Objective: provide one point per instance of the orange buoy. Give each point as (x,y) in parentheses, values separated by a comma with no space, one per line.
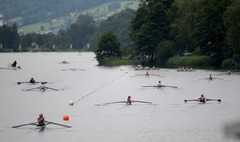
(65,117)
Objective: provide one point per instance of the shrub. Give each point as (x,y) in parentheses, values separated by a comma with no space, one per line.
(190,61)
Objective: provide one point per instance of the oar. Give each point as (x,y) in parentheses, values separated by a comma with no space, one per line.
(142,102)
(34,123)
(169,86)
(31,89)
(111,103)
(32,83)
(22,82)
(53,89)
(49,122)
(219,100)
(190,100)
(150,86)
(41,83)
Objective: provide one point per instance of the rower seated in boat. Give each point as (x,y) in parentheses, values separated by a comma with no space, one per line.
(159,85)
(14,64)
(40,120)
(210,77)
(32,80)
(202,99)
(129,101)
(147,74)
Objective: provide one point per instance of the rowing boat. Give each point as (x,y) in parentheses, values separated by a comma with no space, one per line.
(28,82)
(124,102)
(41,126)
(219,100)
(11,68)
(160,86)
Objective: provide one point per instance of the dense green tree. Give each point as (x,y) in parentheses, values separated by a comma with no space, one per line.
(149,28)
(209,33)
(108,46)
(80,31)
(232,24)
(9,38)
(187,13)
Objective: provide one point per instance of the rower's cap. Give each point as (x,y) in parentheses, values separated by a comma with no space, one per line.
(40,114)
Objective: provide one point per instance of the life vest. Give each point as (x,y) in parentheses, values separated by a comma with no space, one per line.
(40,120)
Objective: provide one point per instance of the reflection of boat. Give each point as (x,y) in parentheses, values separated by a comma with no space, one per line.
(43,88)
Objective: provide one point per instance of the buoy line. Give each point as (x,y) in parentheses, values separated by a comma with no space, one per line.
(71,103)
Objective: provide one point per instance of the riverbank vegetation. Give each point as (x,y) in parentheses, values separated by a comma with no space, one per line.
(160,33)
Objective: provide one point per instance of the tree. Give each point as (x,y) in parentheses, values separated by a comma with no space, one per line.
(209,33)
(108,46)
(187,13)
(231,21)
(149,28)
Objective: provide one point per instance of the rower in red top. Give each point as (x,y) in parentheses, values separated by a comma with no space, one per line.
(40,120)
(129,101)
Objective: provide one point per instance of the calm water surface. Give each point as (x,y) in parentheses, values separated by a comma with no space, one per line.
(167,119)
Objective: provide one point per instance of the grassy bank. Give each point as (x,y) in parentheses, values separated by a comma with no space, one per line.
(189,61)
(118,61)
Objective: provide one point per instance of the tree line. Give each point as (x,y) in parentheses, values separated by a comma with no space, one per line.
(155,33)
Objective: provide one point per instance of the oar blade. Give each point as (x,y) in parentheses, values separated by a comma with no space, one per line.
(17,126)
(67,126)
(142,102)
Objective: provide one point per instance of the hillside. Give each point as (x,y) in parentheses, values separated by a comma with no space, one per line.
(44,15)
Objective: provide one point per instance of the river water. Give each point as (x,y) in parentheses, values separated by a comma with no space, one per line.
(167,119)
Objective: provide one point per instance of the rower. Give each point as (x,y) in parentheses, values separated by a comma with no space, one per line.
(147,74)
(159,85)
(129,101)
(40,120)
(202,99)
(14,64)
(210,77)
(32,80)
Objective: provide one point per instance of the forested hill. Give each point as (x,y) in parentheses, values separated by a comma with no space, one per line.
(33,11)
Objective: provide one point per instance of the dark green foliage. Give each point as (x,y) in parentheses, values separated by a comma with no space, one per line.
(33,11)
(231,21)
(149,28)
(108,46)
(9,38)
(164,51)
(189,61)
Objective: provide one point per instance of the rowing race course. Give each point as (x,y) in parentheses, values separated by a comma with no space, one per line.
(156,115)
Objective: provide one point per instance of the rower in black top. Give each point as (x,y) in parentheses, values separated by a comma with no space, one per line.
(14,64)
(202,99)
(32,80)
